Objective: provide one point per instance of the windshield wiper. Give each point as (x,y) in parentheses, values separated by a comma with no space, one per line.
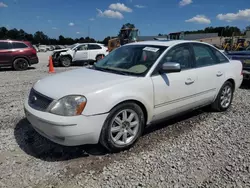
(104,69)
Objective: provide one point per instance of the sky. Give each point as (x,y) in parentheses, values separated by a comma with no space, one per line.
(102,18)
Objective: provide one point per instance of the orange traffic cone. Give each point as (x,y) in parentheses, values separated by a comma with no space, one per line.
(51,67)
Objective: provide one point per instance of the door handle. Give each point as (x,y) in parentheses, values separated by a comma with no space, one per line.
(219,74)
(189,81)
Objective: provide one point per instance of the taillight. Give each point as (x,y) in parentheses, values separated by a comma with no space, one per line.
(33,51)
(241,70)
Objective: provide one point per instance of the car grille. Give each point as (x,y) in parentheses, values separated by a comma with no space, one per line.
(39,101)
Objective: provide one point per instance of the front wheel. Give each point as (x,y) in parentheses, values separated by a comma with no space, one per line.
(224,98)
(65,61)
(123,127)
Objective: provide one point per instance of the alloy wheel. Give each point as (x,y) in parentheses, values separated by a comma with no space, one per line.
(226,96)
(124,127)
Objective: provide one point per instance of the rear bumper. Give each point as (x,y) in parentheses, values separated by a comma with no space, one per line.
(34,61)
(246,74)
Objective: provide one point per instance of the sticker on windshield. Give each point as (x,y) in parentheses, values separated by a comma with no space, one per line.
(151,49)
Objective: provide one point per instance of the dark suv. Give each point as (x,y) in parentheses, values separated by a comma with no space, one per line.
(17,54)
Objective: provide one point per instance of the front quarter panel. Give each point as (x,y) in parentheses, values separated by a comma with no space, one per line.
(102,101)
(69,52)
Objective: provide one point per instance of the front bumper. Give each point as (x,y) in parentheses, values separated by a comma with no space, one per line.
(67,131)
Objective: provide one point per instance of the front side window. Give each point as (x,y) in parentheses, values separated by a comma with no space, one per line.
(4,46)
(204,55)
(131,59)
(72,46)
(82,47)
(179,54)
(17,45)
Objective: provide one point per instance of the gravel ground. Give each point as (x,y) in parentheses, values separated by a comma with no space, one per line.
(200,149)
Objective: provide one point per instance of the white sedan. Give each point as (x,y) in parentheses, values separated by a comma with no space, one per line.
(135,85)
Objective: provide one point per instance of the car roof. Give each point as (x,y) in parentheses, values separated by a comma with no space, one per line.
(164,43)
(24,41)
(89,43)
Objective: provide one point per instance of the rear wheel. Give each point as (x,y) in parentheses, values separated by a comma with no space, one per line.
(65,61)
(224,98)
(123,127)
(99,57)
(20,64)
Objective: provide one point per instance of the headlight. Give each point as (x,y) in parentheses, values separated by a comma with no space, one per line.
(71,105)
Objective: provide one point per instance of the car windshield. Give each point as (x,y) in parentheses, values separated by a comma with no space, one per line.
(133,35)
(131,59)
(72,46)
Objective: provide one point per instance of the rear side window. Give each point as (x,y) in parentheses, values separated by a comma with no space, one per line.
(94,47)
(4,46)
(16,45)
(82,47)
(220,56)
(204,55)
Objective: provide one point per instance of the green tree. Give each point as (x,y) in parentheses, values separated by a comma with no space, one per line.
(29,37)
(13,34)
(222,31)
(61,40)
(40,37)
(3,32)
(22,35)
(105,41)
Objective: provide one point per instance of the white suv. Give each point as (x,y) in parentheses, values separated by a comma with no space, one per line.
(80,52)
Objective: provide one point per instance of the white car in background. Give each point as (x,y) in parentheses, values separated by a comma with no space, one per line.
(80,52)
(43,48)
(138,84)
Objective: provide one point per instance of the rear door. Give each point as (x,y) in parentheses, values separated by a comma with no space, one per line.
(210,72)
(94,50)
(81,53)
(5,53)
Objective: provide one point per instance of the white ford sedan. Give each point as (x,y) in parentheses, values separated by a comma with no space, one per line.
(135,85)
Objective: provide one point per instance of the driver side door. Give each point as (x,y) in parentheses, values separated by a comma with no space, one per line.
(175,92)
(81,53)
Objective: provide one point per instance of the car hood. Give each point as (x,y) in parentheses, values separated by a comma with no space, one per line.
(61,50)
(80,81)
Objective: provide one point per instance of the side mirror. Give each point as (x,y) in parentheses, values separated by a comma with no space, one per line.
(170,67)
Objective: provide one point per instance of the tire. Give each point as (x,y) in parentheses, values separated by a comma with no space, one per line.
(225,94)
(99,57)
(65,61)
(107,138)
(20,64)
